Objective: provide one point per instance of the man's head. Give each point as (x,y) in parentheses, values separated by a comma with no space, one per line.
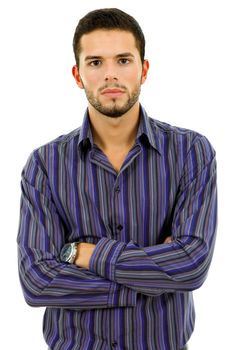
(108,19)
(110,65)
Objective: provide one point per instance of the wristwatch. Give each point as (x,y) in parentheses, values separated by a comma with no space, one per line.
(69,252)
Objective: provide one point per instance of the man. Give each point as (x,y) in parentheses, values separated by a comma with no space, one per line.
(118,218)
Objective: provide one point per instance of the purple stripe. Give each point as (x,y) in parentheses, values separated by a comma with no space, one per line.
(138,291)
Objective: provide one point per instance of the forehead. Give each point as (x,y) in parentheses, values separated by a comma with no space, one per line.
(101,42)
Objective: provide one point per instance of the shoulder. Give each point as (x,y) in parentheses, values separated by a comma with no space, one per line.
(184,140)
(63,139)
(41,155)
(171,130)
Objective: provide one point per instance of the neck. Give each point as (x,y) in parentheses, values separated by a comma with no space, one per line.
(114,133)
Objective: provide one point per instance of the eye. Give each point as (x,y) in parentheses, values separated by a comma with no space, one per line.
(95,63)
(124,61)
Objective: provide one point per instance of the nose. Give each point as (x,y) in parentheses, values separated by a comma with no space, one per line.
(110,73)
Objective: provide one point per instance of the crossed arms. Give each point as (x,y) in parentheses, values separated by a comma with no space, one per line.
(111,273)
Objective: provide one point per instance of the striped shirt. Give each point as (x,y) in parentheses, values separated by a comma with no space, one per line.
(137,293)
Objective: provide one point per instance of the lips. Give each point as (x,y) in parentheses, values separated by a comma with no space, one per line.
(106,91)
(114,92)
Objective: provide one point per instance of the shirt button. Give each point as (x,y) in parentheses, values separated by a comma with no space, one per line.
(119,227)
(117,189)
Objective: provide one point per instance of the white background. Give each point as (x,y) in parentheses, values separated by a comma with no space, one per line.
(193,82)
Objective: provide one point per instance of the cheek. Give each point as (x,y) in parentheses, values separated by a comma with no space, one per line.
(133,75)
(89,79)
(133,81)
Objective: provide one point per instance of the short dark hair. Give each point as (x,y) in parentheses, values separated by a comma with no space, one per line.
(108,19)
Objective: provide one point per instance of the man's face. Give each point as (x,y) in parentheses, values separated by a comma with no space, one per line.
(111,71)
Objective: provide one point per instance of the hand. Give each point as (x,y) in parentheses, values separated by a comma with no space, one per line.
(168,240)
(84,253)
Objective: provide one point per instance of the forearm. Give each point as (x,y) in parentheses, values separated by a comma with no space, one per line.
(153,270)
(47,282)
(85,252)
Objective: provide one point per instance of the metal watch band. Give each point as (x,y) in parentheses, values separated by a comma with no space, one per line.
(73,254)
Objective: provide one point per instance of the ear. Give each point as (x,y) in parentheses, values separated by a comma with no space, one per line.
(77,77)
(145,71)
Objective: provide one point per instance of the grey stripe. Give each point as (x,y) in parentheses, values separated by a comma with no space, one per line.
(138,291)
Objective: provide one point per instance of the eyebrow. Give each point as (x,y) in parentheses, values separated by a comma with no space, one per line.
(120,55)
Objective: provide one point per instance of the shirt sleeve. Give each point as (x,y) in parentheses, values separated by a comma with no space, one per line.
(45,280)
(183,264)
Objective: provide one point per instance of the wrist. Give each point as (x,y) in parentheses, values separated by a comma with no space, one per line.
(83,255)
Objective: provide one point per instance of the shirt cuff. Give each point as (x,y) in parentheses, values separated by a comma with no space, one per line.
(104,257)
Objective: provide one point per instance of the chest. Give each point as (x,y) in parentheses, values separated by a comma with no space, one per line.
(132,202)
(116,159)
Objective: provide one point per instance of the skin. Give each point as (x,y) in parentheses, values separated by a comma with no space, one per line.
(111,73)
(109,70)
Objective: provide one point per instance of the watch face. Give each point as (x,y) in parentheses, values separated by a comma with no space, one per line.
(66,252)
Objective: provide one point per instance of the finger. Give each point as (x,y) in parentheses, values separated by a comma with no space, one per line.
(168,240)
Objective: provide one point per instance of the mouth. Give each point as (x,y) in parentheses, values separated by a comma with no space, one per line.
(112,92)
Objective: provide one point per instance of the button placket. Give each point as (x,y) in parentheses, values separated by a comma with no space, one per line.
(114,344)
(117,189)
(119,227)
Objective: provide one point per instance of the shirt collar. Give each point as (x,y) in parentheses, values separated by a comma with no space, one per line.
(85,132)
(146,127)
